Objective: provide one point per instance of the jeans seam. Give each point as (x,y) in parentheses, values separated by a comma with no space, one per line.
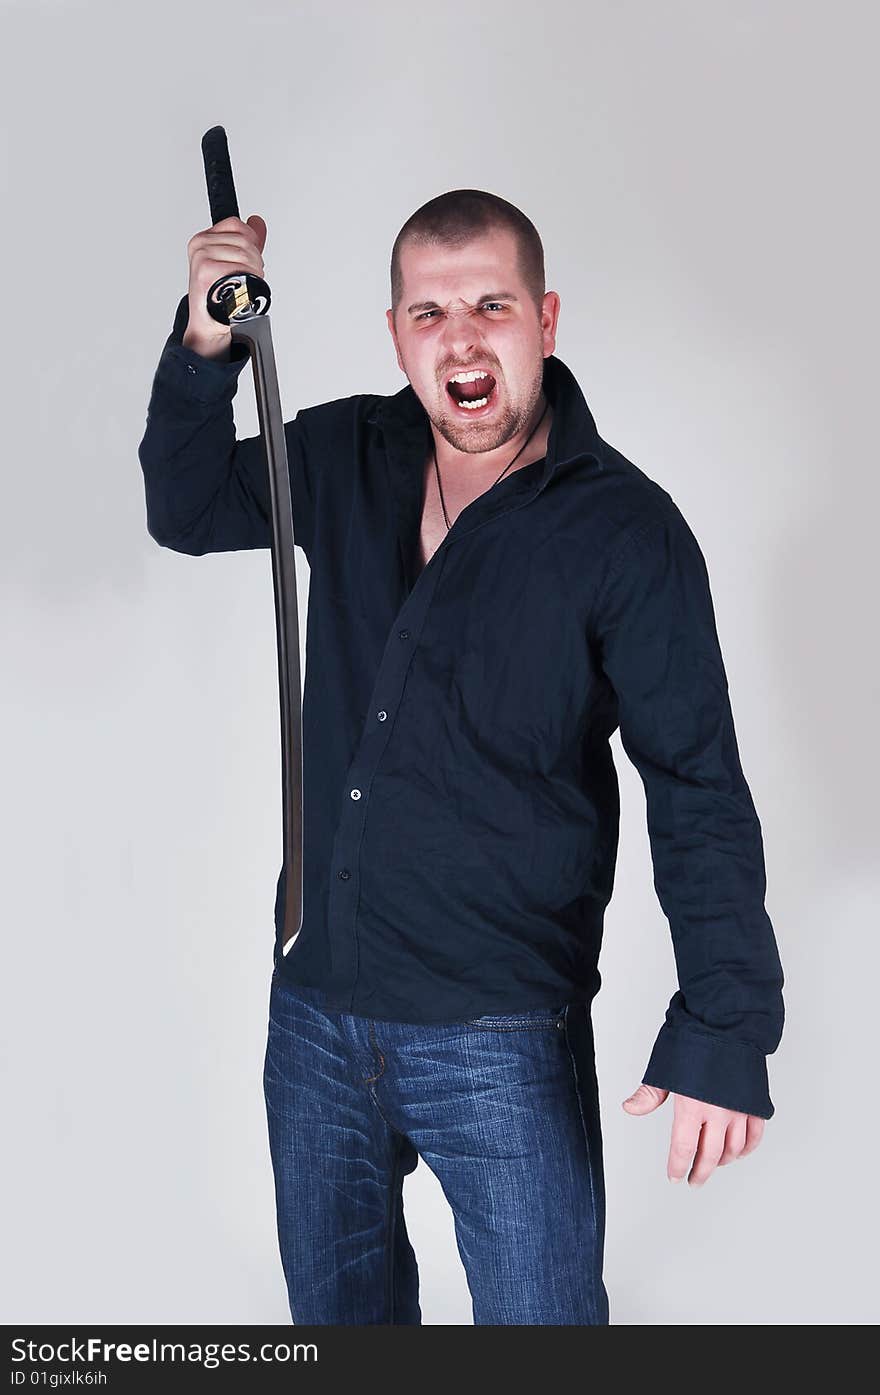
(534,1025)
(389,1236)
(371,1079)
(595,1217)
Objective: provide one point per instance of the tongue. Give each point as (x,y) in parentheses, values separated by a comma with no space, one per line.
(470,392)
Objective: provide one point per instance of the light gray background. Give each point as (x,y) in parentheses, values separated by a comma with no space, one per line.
(701,175)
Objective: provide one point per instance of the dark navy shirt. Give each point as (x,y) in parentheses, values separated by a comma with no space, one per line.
(460,799)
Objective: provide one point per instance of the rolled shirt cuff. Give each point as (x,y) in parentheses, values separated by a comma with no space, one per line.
(717,1070)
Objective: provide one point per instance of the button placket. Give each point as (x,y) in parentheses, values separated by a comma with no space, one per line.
(390,681)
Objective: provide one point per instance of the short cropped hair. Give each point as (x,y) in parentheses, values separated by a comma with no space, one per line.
(455,218)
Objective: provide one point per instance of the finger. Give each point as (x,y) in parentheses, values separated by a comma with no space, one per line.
(754,1134)
(735,1139)
(257,228)
(709,1150)
(227,228)
(210,238)
(227,252)
(238,227)
(685,1137)
(242,245)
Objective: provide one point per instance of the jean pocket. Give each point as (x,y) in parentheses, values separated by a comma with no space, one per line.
(533,1018)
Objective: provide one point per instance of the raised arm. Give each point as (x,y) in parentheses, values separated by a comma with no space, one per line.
(205,490)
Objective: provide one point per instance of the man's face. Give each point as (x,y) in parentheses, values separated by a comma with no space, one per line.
(466,309)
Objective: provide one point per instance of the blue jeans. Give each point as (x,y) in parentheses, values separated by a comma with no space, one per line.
(504,1109)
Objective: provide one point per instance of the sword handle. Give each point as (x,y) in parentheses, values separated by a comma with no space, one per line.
(218,174)
(240,295)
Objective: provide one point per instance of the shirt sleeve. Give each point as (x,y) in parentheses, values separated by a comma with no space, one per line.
(656,629)
(205,490)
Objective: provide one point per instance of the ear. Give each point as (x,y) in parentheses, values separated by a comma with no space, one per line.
(549,321)
(389,317)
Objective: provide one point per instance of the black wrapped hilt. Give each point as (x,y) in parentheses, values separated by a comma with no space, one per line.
(241,295)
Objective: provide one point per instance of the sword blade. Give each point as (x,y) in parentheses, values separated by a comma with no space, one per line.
(256,333)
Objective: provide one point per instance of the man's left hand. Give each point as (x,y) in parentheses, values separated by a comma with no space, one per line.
(703,1134)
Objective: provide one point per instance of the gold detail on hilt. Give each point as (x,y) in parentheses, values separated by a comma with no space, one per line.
(241,298)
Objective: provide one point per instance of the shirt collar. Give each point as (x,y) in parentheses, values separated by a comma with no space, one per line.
(573,432)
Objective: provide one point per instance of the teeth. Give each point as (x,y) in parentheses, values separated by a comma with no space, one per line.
(480,402)
(469,377)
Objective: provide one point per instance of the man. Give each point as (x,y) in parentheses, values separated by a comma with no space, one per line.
(494,589)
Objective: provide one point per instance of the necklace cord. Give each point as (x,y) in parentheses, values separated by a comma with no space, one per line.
(500,477)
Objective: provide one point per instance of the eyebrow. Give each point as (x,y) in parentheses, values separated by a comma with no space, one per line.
(432,304)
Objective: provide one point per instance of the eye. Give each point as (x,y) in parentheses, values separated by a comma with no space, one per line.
(487,305)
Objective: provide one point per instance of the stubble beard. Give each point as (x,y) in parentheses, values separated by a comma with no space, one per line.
(490,435)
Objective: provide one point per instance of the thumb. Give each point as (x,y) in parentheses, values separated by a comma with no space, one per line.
(645,1099)
(259,226)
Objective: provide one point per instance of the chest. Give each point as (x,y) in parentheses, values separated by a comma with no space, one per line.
(458,492)
(432,529)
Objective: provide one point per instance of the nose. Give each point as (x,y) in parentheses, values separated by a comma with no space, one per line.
(461,337)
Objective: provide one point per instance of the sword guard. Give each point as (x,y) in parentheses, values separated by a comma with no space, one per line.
(241,296)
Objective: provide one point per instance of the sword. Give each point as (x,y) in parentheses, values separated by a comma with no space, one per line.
(241,301)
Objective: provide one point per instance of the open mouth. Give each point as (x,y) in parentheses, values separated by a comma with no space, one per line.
(473,393)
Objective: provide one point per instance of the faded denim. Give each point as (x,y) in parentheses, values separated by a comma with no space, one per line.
(502,1108)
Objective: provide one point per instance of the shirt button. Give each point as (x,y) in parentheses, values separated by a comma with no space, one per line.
(189,368)
(404,634)
(344,874)
(355,794)
(381,716)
